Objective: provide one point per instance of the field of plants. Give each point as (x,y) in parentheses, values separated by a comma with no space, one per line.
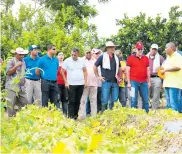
(121,130)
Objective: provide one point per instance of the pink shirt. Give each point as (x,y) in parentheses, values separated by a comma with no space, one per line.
(91,77)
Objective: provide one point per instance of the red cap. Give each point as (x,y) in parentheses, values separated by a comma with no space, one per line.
(139,45)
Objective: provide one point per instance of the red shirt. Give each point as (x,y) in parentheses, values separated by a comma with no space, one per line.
(59,76)
(138,68)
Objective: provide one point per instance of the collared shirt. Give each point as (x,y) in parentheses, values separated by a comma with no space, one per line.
(138,68)
(91,77)
(49,67)
(109,75)
(173,79)
(180,52)
(19,73)
(151,63)
(31,66)
(74,70)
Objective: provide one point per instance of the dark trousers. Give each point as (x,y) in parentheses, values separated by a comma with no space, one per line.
(88,110)
(49,92)
(63,97)
(74,96)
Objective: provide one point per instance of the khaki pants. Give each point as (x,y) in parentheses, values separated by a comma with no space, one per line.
(33,90)
(90,92)
(13,99)
(154,92)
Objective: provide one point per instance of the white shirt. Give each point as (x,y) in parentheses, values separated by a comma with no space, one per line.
(74,70)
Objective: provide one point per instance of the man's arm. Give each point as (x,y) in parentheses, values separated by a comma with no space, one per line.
(173,69)
(96,71)
(148,76)
(39,67)
(13,69)
(64,77)
(37,72)
(85,76)
(128,75)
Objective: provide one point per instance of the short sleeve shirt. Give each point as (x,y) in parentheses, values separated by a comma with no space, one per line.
(138,68)
(31,66)
(48,68)
(173,79)
(20,71)
(74,70)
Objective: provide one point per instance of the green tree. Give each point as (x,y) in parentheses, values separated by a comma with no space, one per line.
(42,26)
(149,30)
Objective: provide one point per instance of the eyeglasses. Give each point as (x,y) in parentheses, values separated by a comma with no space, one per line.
(139,49)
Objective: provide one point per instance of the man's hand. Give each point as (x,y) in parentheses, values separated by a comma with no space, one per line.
(19,63)
(129,86)
(149,84)
(101,78)
(85,85)
(67,85)
(163,71)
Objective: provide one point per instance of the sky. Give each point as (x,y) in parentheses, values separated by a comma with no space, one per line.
(115,9)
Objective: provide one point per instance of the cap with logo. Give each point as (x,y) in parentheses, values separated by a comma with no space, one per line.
(139,45)
(32,47)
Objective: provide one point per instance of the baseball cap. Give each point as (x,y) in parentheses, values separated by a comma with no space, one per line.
(154,46)
(21,51)
(33,47)
(139,45)
(95,51)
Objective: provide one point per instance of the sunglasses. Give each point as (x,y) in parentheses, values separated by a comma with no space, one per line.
(139,49)
(53,49)
(97,53)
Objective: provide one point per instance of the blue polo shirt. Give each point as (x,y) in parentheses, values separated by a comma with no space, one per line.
(31,66)
(49,67)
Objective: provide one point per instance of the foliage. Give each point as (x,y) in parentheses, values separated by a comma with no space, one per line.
(121,130)
(42,26)
(80,7)
(149,30)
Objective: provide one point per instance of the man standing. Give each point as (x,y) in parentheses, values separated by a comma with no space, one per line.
(33,85)
(138,76)
(173,77)
(47,69)
(122,88)
(91,90)
(75,82)
(16,90)
(110,66)
(155,61)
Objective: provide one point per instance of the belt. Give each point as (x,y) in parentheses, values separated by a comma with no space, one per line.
(33,79)
(154,76)
(51,81)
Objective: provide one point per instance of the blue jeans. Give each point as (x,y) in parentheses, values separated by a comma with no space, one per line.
(142,87)
(122,96)
(109,89)
(173,98)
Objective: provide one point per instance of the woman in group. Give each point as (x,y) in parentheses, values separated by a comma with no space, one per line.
(63,93)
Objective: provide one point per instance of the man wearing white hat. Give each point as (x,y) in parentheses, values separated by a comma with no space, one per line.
(15,81)
(110,69)
(155,61)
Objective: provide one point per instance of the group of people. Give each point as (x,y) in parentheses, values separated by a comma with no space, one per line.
(91,84)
